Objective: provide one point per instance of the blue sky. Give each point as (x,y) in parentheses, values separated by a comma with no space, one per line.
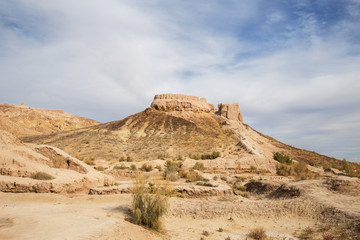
(293,66)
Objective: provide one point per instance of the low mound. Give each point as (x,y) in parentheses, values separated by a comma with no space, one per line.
(24,168)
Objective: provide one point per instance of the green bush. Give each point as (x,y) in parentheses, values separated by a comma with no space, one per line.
(282,158)
(148,208)
(42,176)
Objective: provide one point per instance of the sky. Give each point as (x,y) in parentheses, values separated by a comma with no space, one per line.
(292,65)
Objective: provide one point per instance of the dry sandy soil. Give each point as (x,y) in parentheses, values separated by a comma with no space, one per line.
(317,204)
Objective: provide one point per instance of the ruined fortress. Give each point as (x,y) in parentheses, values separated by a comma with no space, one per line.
(180,102)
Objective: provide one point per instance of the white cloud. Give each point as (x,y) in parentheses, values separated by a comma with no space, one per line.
(106,60)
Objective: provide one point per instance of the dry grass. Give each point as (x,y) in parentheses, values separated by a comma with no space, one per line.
(149,204)
(258,234)
(205,233)
(42,176)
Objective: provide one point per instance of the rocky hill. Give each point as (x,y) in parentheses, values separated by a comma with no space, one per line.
(179,126)
(24,121)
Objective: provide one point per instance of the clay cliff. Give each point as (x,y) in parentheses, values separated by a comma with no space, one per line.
(181,102)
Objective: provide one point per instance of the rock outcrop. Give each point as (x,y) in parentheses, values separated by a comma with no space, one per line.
(181,102)
(230,111)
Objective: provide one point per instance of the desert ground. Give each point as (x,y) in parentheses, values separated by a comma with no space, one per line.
(283,216)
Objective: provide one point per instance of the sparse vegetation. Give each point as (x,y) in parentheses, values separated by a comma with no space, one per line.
(205,233)
(149,204)
(100,168)
(327,236)
(307,233)
(121,167)
(213,155)
(258,234)
(199,166)
(253,168)
(298,170)
(146,167)
(90,162)
(282,157)
(133,167)
(220,230)
(42,176)
(171,171)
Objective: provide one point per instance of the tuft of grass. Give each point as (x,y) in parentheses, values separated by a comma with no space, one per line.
(146,167)
(148,208)
(171,171)
(199,166)
(42,176)
(90,162)
(122,167)
(258,233)
(100,168)
(228,238)
(307,233)
(220,230)
(133,167)
(205,233)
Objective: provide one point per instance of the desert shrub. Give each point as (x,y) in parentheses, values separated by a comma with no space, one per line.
(133,167)
(122,159)
(220,230)
(159,167)
(42,176)
(89,162)
(205,233)
(241,188)
(282,158)
(194,177)
(146,167)
(100,168)
(298,170)
(199,166)
(301,172)
(129,159)
(180,158)
(148,208)
(253,168)
(327,236)
(258,234)
(122,167)
(228,238)
(306,233)
(283,170)
(171,171)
